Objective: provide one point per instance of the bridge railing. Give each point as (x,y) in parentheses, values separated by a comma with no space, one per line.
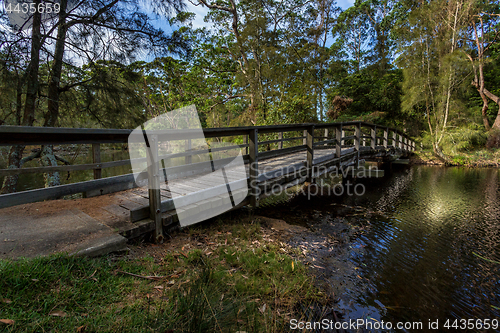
(289,139)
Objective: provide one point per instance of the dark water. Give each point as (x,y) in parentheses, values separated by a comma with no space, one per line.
(419,260)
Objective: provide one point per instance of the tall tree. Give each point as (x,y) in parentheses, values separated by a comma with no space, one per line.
(483,33)
(89,30)
(431,61)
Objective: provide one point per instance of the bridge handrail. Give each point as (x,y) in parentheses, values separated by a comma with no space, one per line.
(27,135)
(18,135)
(30,135)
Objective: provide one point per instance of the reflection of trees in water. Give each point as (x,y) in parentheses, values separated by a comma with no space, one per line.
(489,242)
(422,258)
(392,193)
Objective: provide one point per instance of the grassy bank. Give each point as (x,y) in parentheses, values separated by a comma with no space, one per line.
(216,277)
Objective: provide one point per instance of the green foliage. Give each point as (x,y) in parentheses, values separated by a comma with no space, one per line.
(292,110)
(245,284)
(375,98)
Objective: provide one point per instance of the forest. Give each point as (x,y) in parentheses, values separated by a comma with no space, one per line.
(431,68)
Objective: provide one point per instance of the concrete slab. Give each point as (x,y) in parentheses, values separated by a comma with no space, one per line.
(101,246)
(66,230)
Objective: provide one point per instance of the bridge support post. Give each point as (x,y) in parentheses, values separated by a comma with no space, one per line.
(254,167)
(280,137)
(394,140)
(386,137)
(338,139)
(154,188)
(326,135)
(374,137)
(310,153)
(96,158)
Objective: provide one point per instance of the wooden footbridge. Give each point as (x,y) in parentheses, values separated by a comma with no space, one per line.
(281,155)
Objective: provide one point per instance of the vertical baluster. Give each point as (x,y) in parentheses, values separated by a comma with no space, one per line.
(253,167)
(154,187)
(374,137)
(338,136)
(386,137)
(188,159)
(310,153)
(96,158)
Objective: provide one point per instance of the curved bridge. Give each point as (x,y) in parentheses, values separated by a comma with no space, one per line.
(277,156)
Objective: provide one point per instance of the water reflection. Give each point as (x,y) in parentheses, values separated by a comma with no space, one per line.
(419,257)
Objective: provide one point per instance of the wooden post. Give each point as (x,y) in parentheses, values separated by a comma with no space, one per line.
(386,137)
(254,167)
(280,137)
(310,153)
(154,187)
(400,141)
(358,136)
(374,136)
(245,141)
(394,140)
(338,144)
(188,159)
(96,158)
(326,136)
(304,140)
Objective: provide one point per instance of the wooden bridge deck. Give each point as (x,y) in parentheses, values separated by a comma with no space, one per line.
(70,225)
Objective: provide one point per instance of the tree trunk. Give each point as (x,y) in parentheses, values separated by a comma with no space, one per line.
(439,153)
(10,182)
(496,99)
(16,152)
(47,157)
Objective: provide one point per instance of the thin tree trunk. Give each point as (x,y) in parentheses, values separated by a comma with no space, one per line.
(47,156)
(16,152)
(478,82)
(496,99)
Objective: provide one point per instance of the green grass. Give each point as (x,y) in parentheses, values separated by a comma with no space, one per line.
(244,284)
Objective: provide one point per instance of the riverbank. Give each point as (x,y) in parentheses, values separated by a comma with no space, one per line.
(237,273)
(474,159)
